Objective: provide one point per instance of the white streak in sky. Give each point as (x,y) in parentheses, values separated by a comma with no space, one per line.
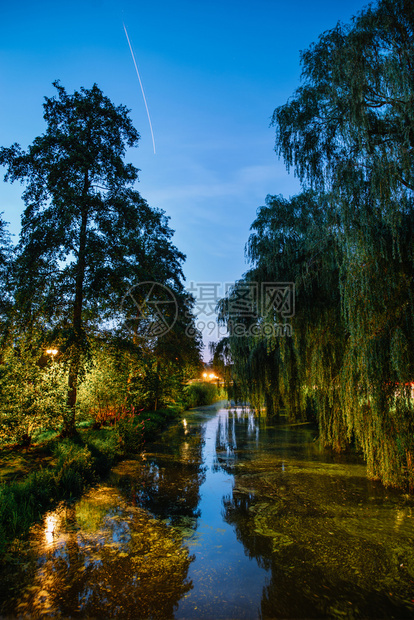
(142,88)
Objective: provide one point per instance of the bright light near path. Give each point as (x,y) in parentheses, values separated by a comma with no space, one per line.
(52,351)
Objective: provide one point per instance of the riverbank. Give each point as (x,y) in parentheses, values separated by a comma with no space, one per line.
(35,479)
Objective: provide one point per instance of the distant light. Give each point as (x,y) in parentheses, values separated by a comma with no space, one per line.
(52,351)
(212,375)
(205,374)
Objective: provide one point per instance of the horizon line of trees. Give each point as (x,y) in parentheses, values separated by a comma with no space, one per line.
(346,243)
(87,238)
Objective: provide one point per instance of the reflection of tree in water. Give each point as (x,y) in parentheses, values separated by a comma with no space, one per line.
(330,553)
(234,436)
(115,567)
(168,483)
(101,556)
(243,435)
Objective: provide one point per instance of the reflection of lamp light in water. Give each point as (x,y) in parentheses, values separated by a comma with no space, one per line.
(51,522)
(185,426)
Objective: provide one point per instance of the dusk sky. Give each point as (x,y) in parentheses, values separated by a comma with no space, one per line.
(212,73)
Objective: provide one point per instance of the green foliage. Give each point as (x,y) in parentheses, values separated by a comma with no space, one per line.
(346,243)
(123,376)
(74,468)
(32,393)
(131,433)
(292,241)
(201,394)
(350,130)
(87,236)
(105,391)
(79,463)
(23,502)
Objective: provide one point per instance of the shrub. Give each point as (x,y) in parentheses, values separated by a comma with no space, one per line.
(32,394)
(22,503)
(74,468)
(202,394)
(131,434)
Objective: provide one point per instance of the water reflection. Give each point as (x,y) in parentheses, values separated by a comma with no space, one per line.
(103,557)
(229,516)
(335,544)
(168,483)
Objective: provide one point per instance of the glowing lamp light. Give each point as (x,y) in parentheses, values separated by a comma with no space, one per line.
(205,374)
(52,351)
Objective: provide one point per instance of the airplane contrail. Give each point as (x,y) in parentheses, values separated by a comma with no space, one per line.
(140,83)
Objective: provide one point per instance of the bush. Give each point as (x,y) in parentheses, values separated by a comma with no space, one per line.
(32,394)
(105,447)
(131,434)
(202,394)
(74,468)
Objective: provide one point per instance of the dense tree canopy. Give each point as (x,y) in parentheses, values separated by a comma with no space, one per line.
(346,243)
(87,235)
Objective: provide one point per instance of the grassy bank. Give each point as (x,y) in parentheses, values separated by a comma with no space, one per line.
(34,479)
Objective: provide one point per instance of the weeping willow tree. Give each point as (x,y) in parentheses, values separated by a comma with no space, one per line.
(291,362)
(346,245)
(348,131)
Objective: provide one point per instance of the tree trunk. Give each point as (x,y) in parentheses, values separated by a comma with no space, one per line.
(69,427)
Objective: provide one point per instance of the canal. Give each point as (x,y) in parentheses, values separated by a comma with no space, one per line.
(227,516)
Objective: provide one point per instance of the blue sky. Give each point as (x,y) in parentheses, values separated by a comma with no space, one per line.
(213,72)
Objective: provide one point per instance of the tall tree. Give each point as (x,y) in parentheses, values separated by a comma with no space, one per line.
(280,360)
(87,235)
(349,130)
(6,263)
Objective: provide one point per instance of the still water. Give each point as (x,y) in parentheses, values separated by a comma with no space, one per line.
(229,516)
